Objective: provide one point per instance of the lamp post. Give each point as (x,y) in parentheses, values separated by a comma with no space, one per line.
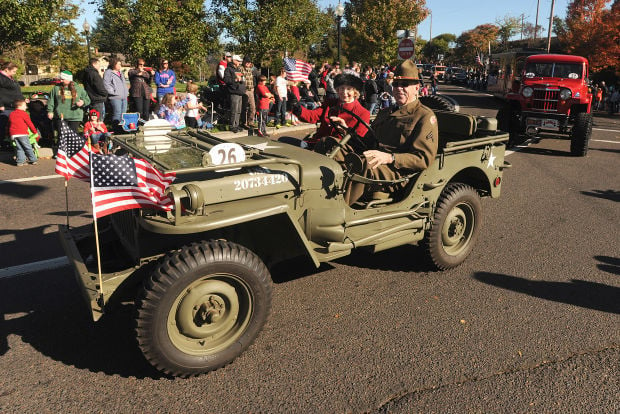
(86,28)
(339,12)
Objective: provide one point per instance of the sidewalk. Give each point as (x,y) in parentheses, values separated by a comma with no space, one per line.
(6,157)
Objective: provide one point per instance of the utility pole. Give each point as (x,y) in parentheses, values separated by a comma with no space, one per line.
(522,23)
(430,32)
(550,24)
(536,25)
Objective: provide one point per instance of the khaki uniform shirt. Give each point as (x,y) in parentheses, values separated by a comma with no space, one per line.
(410,133)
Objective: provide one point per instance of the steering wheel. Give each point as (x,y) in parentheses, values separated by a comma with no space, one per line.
(350,135)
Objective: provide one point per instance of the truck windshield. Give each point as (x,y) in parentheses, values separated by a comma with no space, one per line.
(553,70)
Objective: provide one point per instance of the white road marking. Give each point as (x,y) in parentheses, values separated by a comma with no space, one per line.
(23,180)
(33,267)
(607,130)
(604,140)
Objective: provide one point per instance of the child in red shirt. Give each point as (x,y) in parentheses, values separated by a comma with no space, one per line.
(19,123)
(96,131)
(265,99)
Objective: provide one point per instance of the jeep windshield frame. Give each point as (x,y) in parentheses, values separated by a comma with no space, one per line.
(562,70)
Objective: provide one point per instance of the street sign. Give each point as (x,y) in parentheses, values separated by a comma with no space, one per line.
(405,48)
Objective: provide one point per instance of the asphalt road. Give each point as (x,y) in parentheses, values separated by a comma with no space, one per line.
(529,323)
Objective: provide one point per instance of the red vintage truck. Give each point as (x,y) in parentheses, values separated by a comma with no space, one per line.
(552,96)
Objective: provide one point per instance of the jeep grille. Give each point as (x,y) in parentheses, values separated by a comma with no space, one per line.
(126,228)
(545,100)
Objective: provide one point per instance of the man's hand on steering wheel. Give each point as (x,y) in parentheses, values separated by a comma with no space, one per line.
(376,158)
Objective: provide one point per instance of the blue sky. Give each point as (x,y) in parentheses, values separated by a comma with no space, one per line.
(449,16)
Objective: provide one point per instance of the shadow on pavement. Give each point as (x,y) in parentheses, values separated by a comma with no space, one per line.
(612,195)
(580,293)
(614,151)
(45,310)
(609,265)
(24,191)
(544,151)
(391,259)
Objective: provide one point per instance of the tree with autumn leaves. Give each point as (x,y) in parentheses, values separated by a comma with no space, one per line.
(593,31)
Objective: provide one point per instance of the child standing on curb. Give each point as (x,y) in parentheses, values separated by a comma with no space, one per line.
(265,99)
(19,123)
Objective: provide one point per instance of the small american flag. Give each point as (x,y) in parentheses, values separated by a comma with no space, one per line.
(122,183)
(72,156)
(296,70)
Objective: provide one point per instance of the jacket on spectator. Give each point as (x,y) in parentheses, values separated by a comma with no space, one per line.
(9,91)
(162,77)
(93,84)
(115,84)
(233,84)
(139,84)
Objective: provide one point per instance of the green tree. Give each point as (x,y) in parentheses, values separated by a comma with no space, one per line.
(372,25)
(507,27)
(267,30)
(439,45)
(152,29)
(42,30)
(111,31)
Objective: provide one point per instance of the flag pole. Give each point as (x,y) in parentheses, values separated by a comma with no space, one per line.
(101,298)
(67,200)
(66,182)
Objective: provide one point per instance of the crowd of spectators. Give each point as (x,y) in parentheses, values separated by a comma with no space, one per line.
(250,98)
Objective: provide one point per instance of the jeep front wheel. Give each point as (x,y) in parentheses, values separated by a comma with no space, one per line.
(455,226)
(580,135)
(202,307)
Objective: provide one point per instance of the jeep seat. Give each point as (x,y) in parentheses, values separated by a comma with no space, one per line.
(454,126)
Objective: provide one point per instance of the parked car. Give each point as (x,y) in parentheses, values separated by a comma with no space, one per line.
(459,76)
(46,81)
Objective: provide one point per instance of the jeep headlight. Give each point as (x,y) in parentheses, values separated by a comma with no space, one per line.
(527,92)
(565,94)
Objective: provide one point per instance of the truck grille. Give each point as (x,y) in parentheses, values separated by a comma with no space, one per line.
(545,100)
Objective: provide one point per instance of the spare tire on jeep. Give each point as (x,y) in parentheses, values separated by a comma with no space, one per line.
(438,102)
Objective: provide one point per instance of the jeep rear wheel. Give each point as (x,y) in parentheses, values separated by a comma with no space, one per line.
(202,307)
(455,226)
(580,135)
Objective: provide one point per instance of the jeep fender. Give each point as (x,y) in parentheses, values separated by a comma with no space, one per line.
(267,224)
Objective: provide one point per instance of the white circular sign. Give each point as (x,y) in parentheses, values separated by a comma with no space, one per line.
(227,153)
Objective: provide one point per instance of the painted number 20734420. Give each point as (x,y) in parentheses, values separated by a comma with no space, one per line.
(257,181)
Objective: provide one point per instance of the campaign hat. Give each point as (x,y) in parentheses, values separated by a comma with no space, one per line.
(407,70)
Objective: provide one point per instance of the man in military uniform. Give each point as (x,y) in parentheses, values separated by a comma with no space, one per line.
(407,136)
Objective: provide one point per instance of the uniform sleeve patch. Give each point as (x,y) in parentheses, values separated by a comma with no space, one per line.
(429,137)
(433,120)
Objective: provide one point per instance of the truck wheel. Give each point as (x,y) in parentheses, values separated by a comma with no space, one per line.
(437,102)
(508,121)
(580,135)
(202,307)
(455,226)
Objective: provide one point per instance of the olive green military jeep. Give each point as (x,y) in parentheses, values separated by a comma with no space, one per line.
(201,271)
